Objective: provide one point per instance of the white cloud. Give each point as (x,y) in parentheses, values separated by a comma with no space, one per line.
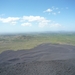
(53,10)
(50,24)
(11,20)
(13,23)
(41,21)
(55,25)
(32,18)
(48,10)
(26,24)
(44,23)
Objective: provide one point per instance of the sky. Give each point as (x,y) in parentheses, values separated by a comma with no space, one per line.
(17,16)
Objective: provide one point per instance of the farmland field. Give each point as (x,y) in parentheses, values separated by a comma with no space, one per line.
(31,40)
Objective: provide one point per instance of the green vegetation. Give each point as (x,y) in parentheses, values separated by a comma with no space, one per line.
(28,41)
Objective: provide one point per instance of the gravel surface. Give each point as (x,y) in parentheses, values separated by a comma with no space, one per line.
(45,59)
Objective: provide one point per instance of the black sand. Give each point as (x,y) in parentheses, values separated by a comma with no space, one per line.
(45,59)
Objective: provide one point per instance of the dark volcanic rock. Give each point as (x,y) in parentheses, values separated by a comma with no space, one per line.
(45,59)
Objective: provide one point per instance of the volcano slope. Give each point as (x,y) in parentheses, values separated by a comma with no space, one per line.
(45,59)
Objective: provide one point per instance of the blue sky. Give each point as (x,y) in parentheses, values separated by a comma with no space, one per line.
(18,16)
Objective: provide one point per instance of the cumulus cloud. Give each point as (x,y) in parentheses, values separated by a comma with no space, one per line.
(32,18)
(44,23)
(29,21)
(26,24)
(53,10)
(55,25)
(51,25)
(11,20)
(41,21)
(48,10)
(13,23)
